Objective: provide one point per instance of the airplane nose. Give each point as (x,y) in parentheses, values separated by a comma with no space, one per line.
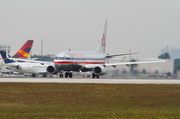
(57,64)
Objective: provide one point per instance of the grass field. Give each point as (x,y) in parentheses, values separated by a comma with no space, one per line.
(55,100)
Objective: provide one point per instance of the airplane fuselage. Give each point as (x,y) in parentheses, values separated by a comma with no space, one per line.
(74,61)
(35,68)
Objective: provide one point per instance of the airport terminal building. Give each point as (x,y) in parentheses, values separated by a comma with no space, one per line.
(4,46)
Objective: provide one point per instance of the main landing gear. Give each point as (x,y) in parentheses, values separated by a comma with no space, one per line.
(95,76)
(67,74)
(33,75)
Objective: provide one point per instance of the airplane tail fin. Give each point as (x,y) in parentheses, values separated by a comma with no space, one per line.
(102,43)
(24,51)
(5,58)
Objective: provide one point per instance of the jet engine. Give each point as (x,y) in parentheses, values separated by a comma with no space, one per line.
(99,70)
(24,67)
(52,70)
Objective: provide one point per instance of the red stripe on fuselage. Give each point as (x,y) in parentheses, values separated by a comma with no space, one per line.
(61,62)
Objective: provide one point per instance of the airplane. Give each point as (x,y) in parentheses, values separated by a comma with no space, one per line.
(25,67)
(23,52)
(77,61)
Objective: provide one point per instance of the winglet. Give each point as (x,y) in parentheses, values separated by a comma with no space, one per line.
(173,54)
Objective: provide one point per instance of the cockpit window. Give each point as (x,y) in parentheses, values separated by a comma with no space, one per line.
(61,58)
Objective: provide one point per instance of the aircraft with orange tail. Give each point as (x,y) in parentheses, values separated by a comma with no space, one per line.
(17,63)
(23,52)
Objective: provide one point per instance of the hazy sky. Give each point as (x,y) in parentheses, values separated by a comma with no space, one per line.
(143,26)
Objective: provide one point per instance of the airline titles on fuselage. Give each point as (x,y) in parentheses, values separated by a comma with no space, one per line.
(77,55)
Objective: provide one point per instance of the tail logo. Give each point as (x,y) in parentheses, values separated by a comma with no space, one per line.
(103,43)
(24,51)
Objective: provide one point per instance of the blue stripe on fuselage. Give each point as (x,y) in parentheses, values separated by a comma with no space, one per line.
(79,59)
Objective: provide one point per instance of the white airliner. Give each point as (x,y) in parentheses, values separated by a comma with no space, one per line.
(76,61)
(25,66)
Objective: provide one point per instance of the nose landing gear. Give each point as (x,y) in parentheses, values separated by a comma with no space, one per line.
(61,75)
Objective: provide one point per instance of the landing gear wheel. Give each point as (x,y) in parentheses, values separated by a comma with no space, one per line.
(33,75)
(61,75)
(70,75)
(93,75)
(44,75)
(66,74)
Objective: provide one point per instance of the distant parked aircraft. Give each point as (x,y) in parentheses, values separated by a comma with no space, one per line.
(23,52)
(34,67)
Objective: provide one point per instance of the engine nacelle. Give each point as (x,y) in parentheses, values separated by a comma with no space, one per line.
(25,67)
(99,70)
(52,70)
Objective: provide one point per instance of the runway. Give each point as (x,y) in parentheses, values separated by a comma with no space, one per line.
(89,80)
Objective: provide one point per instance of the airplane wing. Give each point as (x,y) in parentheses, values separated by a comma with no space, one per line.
(91,66)
(31,61)
(110,56)
(142,62)
(129,63)
(100,69)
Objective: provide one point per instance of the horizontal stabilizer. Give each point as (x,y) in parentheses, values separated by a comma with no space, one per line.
(110,56)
